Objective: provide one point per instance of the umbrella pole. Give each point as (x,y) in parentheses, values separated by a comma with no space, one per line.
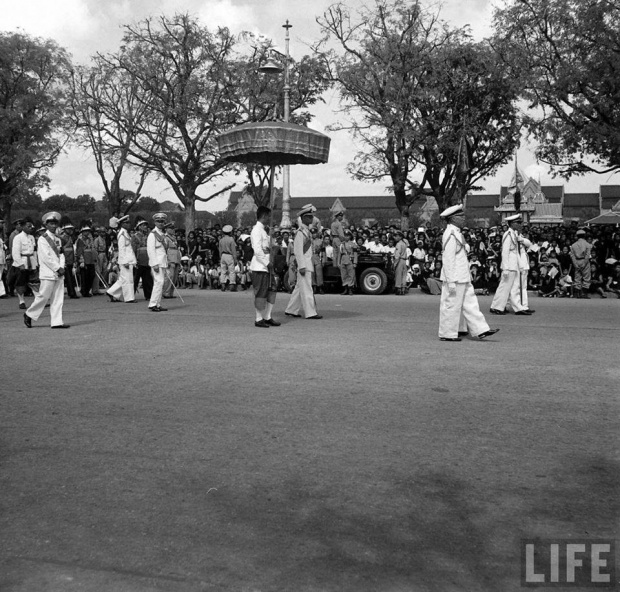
(272,199)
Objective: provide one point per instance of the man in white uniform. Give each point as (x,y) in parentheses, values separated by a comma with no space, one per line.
(459,312)
(51,273)
(261,269)
(126,261)
(303,296)
(156,247)
(508,291)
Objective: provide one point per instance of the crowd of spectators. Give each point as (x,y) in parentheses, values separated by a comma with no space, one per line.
(550,272)
(550,262)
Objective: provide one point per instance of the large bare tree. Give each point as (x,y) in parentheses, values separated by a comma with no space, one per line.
(430,109)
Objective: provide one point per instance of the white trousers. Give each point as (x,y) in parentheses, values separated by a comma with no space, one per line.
(54,291)
(123,285)
(523,288)
(508,292)
(302,296)
(460,312)
(158,286)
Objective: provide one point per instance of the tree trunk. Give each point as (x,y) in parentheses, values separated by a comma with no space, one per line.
(404,219)
(190,215)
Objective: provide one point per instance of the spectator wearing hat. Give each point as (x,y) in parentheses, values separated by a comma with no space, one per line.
(261,268)
(86,256)
(337,236)
(459,312)
(157,246)
(68,249)
(174,261)
(142,270)
(318,250)
(126,262)
(400,263)
(228,259)
(509,289)
(51,272)
(303,296)
(24,260)
(580,253)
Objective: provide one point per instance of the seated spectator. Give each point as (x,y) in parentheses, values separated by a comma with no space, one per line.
(597,283)
(613,283)
(197,274)
(548,283)
(565,285)
(478,278)
(533,280)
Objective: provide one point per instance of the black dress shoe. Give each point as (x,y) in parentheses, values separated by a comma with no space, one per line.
(526,313)
(497,312)
(60,326)
(488,333)
(131,302)
(450,339)
(23,306)
(315,317)
(290,314)
(27,321)
(262,324)
(531,311)
(272,323)
(112,299)
(463,333)
(154,308)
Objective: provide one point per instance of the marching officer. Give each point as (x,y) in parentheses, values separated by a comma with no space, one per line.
(51,272)
(459,312)
(126,262)
(509,289)
(157,247)
(303,296)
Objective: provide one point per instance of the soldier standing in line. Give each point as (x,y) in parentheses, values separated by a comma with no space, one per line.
(142,271)
(303,296)
(228,259)
(11,276)
(126,261)
(580,253)
(174,261)
(400,263)
(66,239)
(508,291)
(157,247)
(24,260)
(51,272)
(459,312)
(101,246)
(86,256)
(337,235)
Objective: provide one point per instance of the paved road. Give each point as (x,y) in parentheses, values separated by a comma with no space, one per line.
(190,451)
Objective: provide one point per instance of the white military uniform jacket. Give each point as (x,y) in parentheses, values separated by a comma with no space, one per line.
(510,251)
(50,259)
(455,267)
(23,251)
(302,247)
(156,249)
(524,260)
(126,256)
(260,246)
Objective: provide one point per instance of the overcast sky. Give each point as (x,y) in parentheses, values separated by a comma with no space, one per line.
(84,27)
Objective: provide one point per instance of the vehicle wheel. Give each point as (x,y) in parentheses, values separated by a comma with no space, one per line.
(373,281)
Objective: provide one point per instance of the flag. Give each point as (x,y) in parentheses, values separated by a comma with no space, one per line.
(516,186)
(464,159)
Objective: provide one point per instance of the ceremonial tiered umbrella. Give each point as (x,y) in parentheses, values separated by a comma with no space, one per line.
(273,143)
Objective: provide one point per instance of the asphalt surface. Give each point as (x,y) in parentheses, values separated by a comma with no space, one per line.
(191,451)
